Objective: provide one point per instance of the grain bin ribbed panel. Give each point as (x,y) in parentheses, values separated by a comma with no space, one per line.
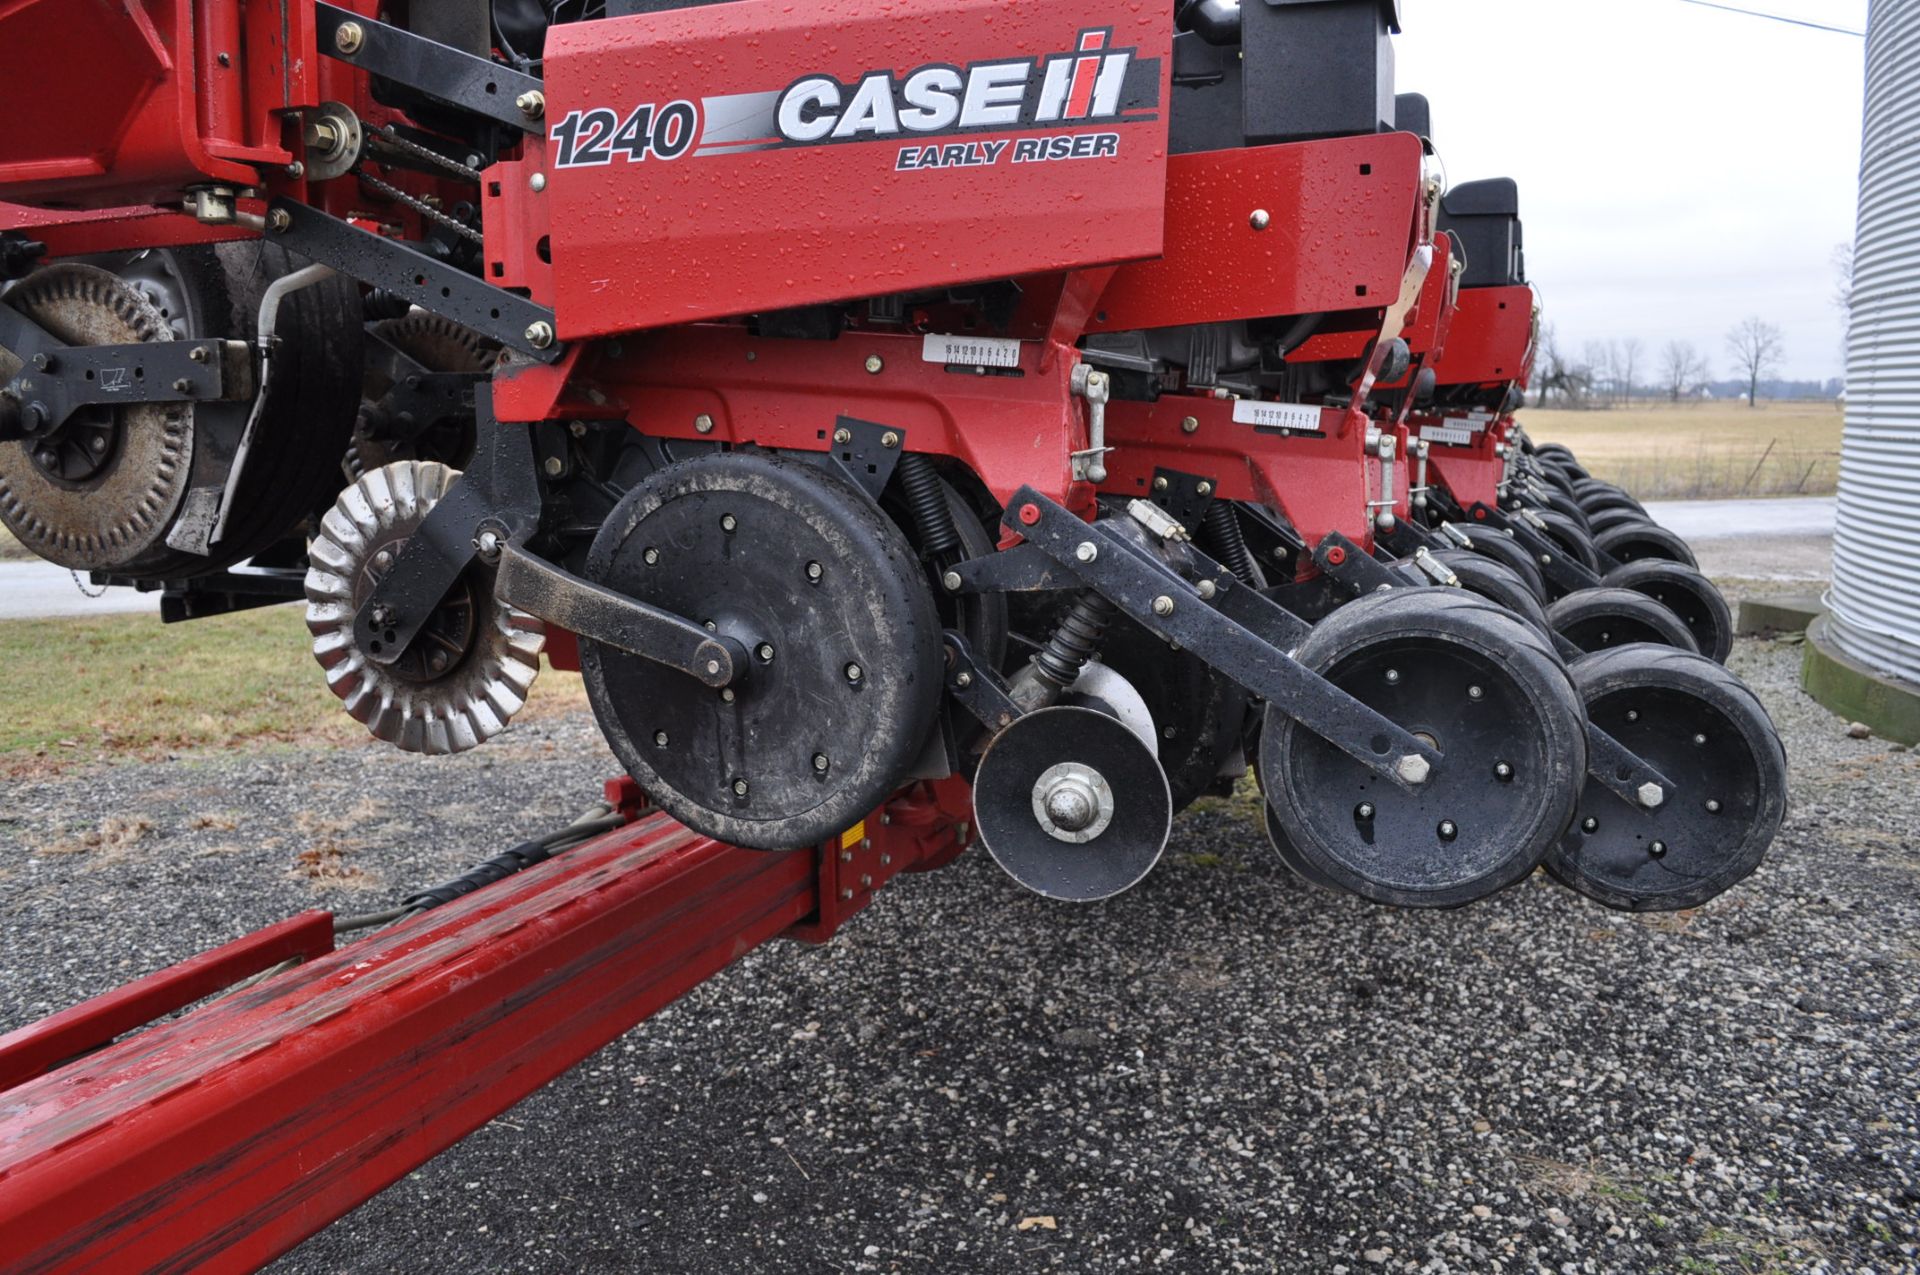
(1876,566)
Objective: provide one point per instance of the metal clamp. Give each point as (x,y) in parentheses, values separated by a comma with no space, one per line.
(1090,466)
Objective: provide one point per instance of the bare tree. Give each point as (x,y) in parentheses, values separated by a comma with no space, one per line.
(1558,375)
(1757,347)
(1630,351)
(1597,356)
(1843,277)
(1682,368)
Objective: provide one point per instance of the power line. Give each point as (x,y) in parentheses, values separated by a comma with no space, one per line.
(1777,17)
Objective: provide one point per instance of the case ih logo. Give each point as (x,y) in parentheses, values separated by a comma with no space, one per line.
(1094,84)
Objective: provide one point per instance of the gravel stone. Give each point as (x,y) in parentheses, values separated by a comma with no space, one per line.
(1188,1077)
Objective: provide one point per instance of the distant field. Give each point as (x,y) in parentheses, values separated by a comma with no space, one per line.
(80,688)
(1703,451)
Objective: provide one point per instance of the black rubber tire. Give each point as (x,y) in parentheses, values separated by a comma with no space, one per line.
(1496,582)
(1563,505)
(1633,542)
(1571,537)
(1611,518)
(1593,506)
(1702,728)
(1503,549)
(1600,619)
(875,608)
(1527,714)
(1686,593)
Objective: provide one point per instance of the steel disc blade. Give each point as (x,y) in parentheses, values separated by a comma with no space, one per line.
(1132,808)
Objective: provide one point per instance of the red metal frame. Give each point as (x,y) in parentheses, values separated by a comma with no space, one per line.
(218,1140)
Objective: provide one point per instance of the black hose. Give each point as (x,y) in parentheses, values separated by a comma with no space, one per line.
(519,859)
(927,501)
(1229,542)
(381,304)
(1076,640)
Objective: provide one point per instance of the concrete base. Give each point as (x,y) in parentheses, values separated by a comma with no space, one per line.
(1771,617)
(1858,693)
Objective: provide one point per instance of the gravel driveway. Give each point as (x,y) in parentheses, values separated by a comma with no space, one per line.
(1220,1071)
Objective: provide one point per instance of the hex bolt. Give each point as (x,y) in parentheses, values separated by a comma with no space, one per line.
(843,436)
(182,386)
(1658,849)
(1476,693)
(98,443)
(1363,811)
(875,363)
(726,695)
(729,523)
(199,354)
(1190,425)
(1502,771)
(1163,605)
(537,183)
(1414,769)
(1393,677)
(739,787)
(1589,824)
(889,439)
(1159,484)
(1085,551)
(703,424)
(348,37)
(853,673)
(651,556)
(296,168)
(713,668)
(820,762)
(1713,807)
(660,739)
(1633,714)
(540,334)
(532,103)
(952,580)
(1448,830)
(1207,589)
(1699,740)
(765,652)
(963,679)
(1261,219)
(554,466)
(815,571)
(1204,488)
(1651,795)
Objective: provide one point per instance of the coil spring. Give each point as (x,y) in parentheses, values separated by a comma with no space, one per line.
(1228,541)
(1076,640)
(927,500)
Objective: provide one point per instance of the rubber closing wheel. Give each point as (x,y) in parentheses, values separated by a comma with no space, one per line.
(1703,729)
(1597,619)
(1687,594)
(1295,862)
(1488,692)
(842,676)
(1505,550)
(1495,582)
(1634,541)
(1071,803)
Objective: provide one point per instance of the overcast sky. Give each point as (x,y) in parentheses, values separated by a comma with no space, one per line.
(1680,168)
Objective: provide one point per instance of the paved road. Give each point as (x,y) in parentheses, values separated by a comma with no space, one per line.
(32,590)
(1738,519)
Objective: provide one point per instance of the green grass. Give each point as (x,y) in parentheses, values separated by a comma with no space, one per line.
(75,689)
(1703,451)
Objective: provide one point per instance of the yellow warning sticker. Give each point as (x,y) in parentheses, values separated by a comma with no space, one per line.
(854,835)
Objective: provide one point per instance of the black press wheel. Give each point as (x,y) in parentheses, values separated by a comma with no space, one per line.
(1687,594)
(1703,729)
(1595,504)
(841,640)
(1489,693)
(1503,549)
(1606,521)
(1497,583)
(1632,542)
(1570,536)
(1599,619)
